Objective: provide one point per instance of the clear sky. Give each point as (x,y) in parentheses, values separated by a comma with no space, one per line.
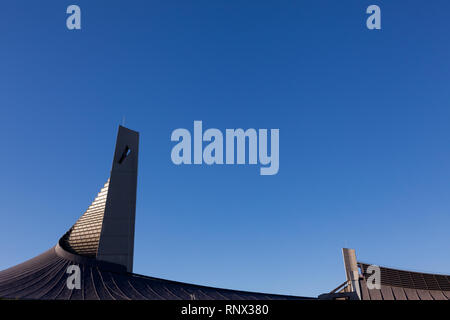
(363,118)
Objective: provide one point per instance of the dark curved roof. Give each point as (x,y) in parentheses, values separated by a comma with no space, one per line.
(405,285)
(45,277)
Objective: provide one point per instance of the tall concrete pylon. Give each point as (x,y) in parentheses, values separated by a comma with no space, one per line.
(106,230)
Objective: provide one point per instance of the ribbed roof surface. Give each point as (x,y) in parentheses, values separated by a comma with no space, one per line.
(45,277)
(405,285)
(83,238)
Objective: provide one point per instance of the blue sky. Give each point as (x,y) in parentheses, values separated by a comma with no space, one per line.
(363,118)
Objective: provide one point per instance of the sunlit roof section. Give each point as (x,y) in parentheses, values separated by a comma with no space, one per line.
(83,238)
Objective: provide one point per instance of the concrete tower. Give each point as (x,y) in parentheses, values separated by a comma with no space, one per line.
(106,230)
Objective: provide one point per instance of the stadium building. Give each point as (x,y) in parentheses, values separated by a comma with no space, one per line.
(100,246)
